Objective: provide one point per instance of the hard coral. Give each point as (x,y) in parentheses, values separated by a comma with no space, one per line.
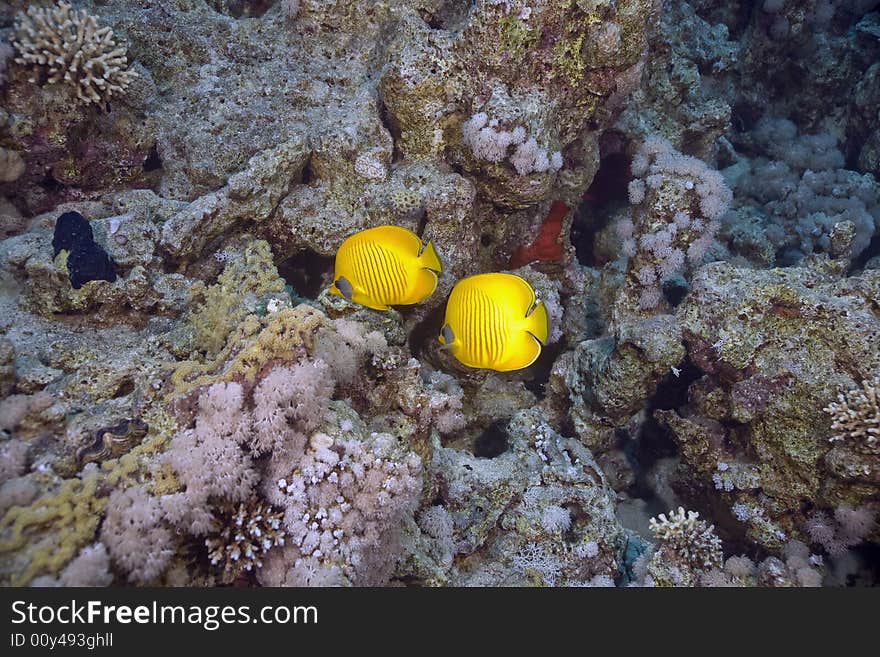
(688,548)
(857,416)
(249,531)
(73,50)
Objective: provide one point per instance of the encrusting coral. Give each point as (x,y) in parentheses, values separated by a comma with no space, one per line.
(65,45)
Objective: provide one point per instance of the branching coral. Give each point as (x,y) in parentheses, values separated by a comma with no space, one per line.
(688,547)
(856,417)
(248,532)
(67,46)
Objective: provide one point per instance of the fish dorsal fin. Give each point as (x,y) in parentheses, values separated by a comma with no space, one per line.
(402,239)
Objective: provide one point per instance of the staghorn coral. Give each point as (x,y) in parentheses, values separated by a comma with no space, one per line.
(63,45)
(856,417)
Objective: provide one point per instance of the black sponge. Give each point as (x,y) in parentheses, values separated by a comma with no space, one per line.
(71,228)
(87,260)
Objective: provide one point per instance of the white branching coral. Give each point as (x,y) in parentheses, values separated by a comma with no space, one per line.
(856,416)
(249,531)
(66,46)
(687,539)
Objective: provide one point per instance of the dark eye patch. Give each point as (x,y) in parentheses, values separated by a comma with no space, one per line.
(448,335)
(344,286)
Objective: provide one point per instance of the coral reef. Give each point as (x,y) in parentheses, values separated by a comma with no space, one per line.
(691,188)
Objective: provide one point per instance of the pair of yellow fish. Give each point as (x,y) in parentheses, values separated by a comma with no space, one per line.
(493,321)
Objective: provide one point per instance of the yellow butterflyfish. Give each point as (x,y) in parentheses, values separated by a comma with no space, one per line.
(385,266)
(494,321)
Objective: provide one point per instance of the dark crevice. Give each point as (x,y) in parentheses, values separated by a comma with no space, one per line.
(426,331)
(493,441)
(607,192)
(541,368)
(611,182)
(448,16)
(153,161)
(672,392)
(51,185)
(871,251)
(241,8)
(675,289)
(306,273)
(655,441)
(125,387)
(580,519)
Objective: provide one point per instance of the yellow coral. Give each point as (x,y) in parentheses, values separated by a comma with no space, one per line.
(286,335)
(60,523)
(70,515)
(227,302)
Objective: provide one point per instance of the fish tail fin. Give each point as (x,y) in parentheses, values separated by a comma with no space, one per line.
(429,258)
(537,322)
